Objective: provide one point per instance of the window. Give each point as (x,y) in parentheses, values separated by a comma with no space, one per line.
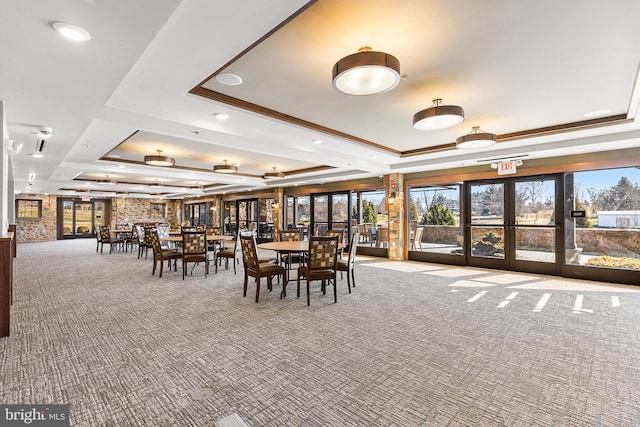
(28,209)
(158,210)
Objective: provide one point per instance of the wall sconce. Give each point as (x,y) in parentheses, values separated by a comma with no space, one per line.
(392,197)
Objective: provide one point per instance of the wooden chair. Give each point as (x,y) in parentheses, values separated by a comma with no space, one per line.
(133,239)
(340,234)
(348,265)
(287,259)
(256,269)
(321,264)
(227,254)
(160,254)
(194,249)
(106,237)
(148,242)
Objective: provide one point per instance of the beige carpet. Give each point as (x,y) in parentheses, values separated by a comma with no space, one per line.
(406,348)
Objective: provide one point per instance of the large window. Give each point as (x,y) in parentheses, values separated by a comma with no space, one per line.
(434,219)
(28,209)
(603,221)
(372,219)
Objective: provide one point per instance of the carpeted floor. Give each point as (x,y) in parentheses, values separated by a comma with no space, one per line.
(415,344)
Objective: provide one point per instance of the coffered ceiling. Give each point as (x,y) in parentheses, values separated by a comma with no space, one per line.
(529,71)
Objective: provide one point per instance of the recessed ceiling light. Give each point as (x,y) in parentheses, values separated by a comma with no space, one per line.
(373,156)
(221,116)
(121,166)
(579,150)
(72,32)
(229,79)
(597,113)
(113,156)
(37,155)
(316,141)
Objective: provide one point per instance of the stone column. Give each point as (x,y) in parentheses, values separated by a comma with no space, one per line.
(278,213)
(395,198)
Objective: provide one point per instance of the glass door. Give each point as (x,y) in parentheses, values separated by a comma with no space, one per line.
(79,219)
(514,224)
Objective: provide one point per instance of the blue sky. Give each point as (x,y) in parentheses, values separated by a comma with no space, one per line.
(606,178)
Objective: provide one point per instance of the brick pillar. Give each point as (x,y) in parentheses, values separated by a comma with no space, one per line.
(278,213)
(396,216)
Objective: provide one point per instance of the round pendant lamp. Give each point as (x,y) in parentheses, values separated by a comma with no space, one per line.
(438,116)
(366,73)
(159,159)
(477,138)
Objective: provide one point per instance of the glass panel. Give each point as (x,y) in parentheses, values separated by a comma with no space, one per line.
(434,220)
(536,244)
(303,214)
(229,221)
(98,213)
(373,211)
(265,227)
(291,214)
(67,221)
(83,217)
(252,215)
(487,242)
(340,212)
(320,214)
(535,202)
(608,236)
(487,203)
(242,215)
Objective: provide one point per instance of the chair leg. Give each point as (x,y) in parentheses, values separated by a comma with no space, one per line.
(335,290)
(353,277)
(284,286)
(348,280)
(153,272)
(298,285)
(246,279)
(161,265)
(183,268)
(234,265)
(257,289)
(308,296)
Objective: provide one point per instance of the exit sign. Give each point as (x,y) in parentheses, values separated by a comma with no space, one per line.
(507,168)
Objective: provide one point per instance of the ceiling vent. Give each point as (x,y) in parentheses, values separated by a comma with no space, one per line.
(41,144)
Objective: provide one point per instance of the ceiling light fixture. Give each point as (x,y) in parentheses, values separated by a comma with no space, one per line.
(438,116)
(221,116)
(72,32)
(229,79)
(477,138)
(366,72)
(159,160)
(155,184)
(225,168)
(105,181)
(273,175)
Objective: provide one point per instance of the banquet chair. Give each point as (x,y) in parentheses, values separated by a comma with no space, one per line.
(160,254)
(256,269)
(321,264)
(194,249)
(227,254)
(106,237)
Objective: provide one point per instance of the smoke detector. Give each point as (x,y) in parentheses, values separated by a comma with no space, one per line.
(45,132)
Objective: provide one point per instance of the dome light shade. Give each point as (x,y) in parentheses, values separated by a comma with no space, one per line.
(159,160)
(438,116)
(366,73)
(225,168)
(273,175)
(477,138)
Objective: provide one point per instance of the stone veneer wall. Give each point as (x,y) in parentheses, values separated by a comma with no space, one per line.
(123,211)
(42,229)
(616,242)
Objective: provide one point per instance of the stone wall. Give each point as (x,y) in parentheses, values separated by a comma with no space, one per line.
(617,242)
(123,210)
(36,230)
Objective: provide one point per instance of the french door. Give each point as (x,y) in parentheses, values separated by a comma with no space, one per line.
(78,218)
(515,224)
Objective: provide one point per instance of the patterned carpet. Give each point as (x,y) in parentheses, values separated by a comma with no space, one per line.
(415,344)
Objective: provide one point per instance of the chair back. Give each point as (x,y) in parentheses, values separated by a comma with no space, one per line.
(323,252)
(214,230)
(339,233)
(200,227)
(163,232)
(353,246)
(189,228)
(290,235)
(249,252)
(194,242)
(105,233)
(418,235)
(139,234)
(153,240)
(148,232)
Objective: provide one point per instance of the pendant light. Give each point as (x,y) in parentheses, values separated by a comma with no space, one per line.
(225,168)
(477,138)
(438,116)
(273,175)
(366,72)
(159,159)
